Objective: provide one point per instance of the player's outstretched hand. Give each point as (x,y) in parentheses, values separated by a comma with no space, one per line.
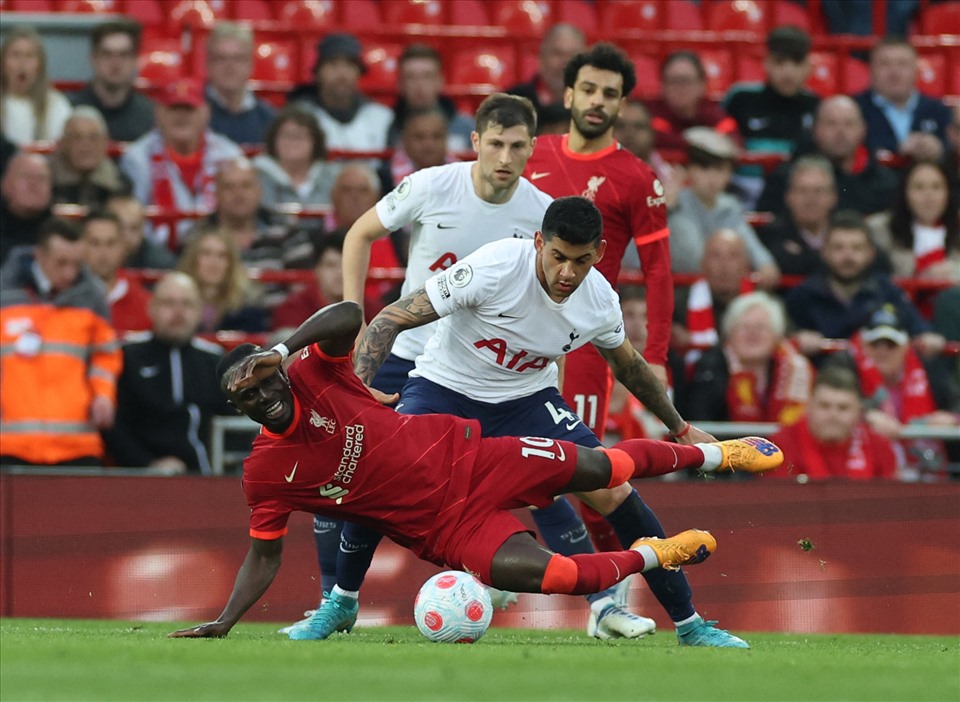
(252,369)
(211,630)
(696,436)
(382,397)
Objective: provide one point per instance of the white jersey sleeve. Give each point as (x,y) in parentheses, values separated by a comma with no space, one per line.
(610,334)
(406,203)
(468,284)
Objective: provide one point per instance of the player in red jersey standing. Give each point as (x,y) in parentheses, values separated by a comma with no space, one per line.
(329,447)
(588,161)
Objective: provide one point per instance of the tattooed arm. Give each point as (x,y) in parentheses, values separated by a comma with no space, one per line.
(632,370)
(408,312)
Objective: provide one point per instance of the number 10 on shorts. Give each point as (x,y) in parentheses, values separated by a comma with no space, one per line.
(538,447)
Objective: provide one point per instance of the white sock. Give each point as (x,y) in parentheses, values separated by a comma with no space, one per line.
(712,457)
(650,560)
(688,620)
(352,594)
(598,606)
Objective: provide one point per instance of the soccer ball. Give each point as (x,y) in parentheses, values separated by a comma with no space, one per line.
(453,607)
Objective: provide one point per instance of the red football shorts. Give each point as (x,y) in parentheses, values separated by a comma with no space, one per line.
(587,382)
(509,473)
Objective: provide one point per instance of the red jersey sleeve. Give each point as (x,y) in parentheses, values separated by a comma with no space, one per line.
(268,516)
(652,238)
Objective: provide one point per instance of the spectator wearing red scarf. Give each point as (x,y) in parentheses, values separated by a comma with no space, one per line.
(754,374)
(900,389)
(832,440)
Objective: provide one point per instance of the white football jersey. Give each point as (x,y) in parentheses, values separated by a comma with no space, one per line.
(450,221)
(500,334)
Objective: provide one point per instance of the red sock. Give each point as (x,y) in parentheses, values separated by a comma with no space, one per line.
(649,458)
(601,533)
(587,573)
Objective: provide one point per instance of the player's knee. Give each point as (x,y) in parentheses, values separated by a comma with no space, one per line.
(560,577)
(593,468)
(606,500)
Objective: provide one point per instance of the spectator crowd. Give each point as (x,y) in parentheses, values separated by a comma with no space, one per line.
(103,364)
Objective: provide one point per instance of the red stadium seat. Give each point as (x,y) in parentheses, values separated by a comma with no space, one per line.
(523,17)
(162,65)
(742,15)
(856,77)
(750,69)
(942,18)
(648,76)
(80,6)
(194,12)
(823,73)
(719,68)
(381,61)
(251,10)
(31,5)
(274,62)
(789,12)
(579,13)
(479,67)
(468,12)
(359,15)
(146,12)
(931,74)
(397,12)
(307,14)
(649,15)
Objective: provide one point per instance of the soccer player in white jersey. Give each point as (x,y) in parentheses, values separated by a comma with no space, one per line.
(452,210)
(507,312)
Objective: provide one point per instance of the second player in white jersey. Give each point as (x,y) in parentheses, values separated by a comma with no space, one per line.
(500,333)
(449,221)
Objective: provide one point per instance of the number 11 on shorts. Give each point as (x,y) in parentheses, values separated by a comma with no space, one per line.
(581,405)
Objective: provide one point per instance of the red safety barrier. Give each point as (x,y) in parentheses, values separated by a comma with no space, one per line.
(871,566)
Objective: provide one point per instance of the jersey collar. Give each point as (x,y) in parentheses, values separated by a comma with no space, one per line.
(565,148)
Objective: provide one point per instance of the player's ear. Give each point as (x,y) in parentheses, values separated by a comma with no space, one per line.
(568,97)
(538,241)
(236,410)
(475,141)
(601,249)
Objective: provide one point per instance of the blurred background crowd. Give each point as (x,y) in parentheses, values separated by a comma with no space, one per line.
(192,191)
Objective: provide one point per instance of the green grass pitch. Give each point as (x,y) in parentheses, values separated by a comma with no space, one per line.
(48,659)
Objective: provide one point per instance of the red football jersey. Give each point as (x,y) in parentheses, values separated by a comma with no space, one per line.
(340,458)
(630,198)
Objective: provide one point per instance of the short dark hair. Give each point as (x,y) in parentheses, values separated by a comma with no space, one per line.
(102,31)
(574,219)
(849,219)
(232,358)
(507,111)
(606,57)
(56,227)
(633,292)
(98,216)
(297,115)
(700,157)
(789,42)
(419,51)
(839,378)
(328,242)
(690,56)
(891,40)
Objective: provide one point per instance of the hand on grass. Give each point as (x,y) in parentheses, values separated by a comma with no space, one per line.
(210,630)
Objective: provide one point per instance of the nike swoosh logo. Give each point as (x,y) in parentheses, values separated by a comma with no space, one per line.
(538,176)
(508,316)
(614,564)
(576,540)
(570,427)
(445,226)
(289,478)
(563,454)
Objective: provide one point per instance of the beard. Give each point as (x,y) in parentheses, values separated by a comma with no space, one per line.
(588,129)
